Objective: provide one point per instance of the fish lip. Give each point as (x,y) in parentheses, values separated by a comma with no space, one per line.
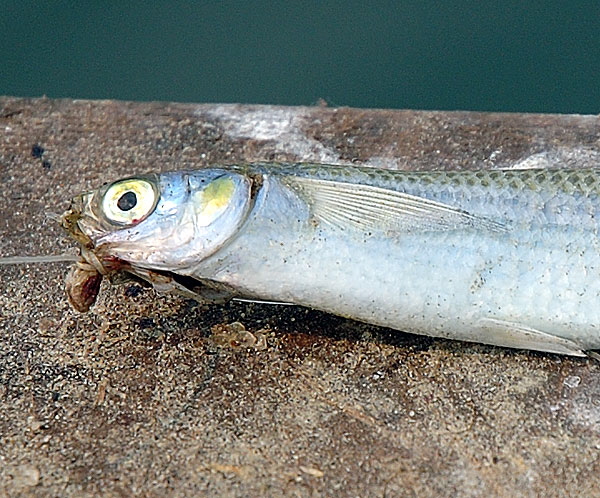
(73,222)
(70,219)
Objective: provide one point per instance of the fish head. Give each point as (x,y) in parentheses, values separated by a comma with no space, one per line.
(166,222)
(163,221)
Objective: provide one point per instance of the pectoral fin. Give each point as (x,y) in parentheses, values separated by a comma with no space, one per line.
(367,207)
(515,335)
(203,291)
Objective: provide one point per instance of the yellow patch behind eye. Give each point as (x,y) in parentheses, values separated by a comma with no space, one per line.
(214,199)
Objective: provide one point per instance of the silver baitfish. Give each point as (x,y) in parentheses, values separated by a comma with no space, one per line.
(503,257)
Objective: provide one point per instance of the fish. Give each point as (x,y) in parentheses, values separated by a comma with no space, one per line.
(505,257)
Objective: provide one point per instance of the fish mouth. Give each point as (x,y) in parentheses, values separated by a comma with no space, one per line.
(79,222)
(70,221)
(85,277)
(96,262)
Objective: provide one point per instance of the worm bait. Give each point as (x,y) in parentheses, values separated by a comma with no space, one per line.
(503,257)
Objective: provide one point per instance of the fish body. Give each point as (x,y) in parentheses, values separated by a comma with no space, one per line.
(503,257)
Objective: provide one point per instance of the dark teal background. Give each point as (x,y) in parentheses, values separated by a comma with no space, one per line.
(476,55)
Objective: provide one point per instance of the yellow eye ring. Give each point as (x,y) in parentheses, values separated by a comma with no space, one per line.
(128,202)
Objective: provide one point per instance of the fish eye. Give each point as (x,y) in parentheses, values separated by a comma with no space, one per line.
(128,202)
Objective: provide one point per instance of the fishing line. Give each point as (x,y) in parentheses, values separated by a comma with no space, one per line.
(25,260)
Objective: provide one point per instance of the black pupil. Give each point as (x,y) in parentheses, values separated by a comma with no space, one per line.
(127,201)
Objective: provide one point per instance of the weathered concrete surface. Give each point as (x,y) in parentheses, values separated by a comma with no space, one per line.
(140,397)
